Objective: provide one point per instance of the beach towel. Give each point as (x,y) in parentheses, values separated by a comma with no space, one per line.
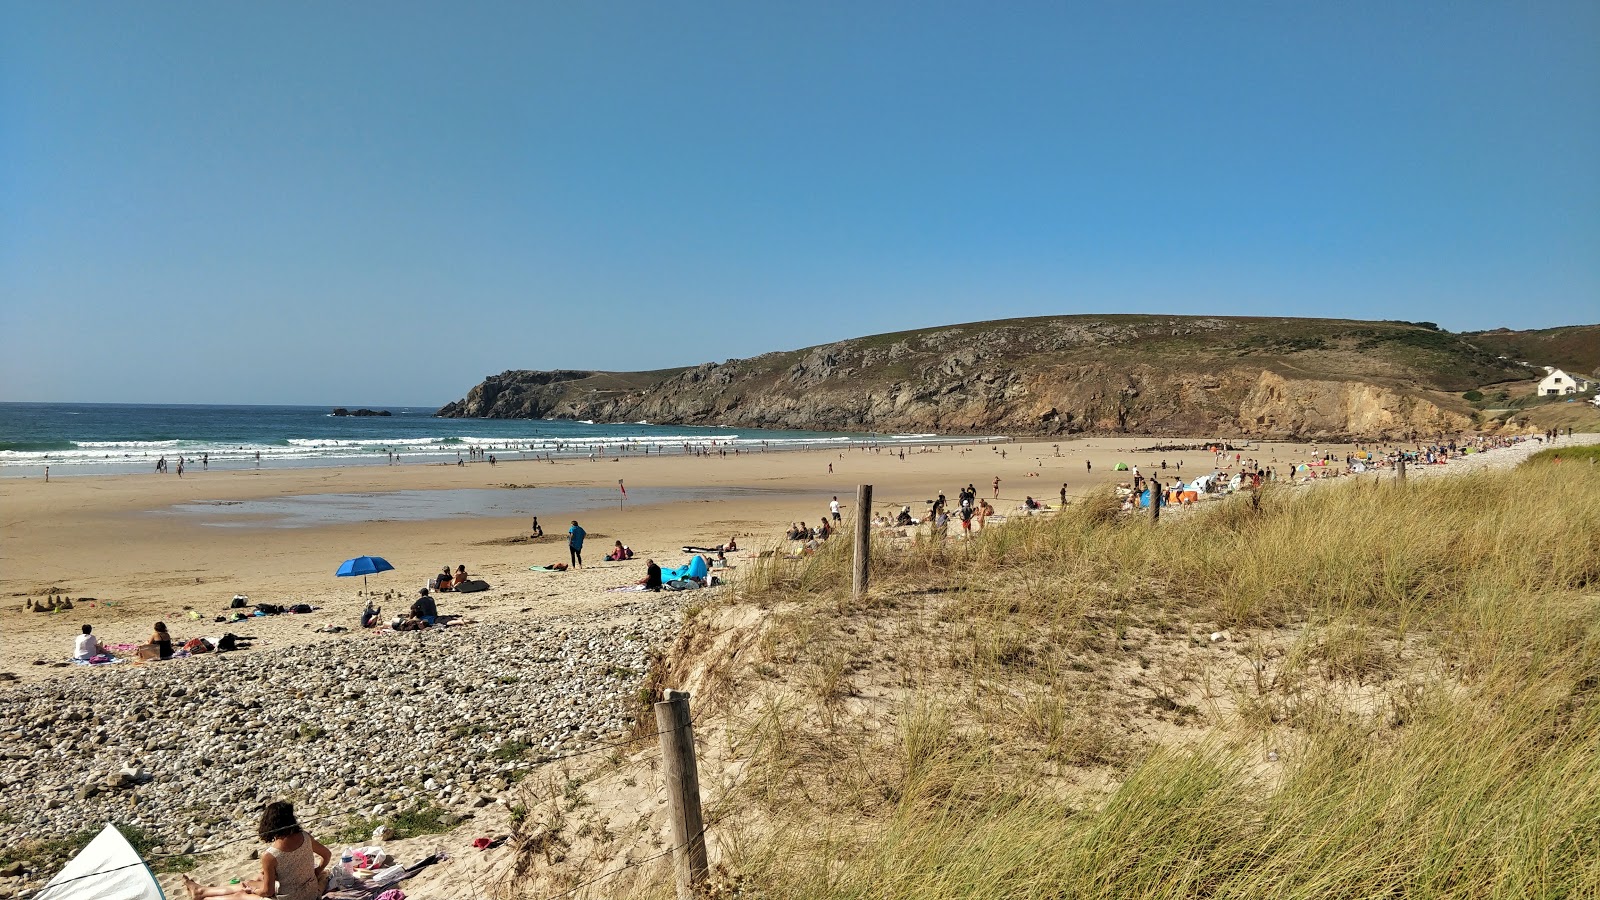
(626,589)
(376,889)
(101,660)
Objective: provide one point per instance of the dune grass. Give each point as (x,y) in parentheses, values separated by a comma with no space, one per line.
(1467,608)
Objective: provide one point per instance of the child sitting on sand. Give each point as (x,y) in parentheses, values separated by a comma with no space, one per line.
(293,865)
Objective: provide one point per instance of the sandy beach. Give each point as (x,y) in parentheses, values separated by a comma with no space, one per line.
(117,539)
(558,651)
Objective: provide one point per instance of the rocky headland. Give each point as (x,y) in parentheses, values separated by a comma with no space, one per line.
(1063,375)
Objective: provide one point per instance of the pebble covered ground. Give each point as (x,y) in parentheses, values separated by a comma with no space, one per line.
(190,750)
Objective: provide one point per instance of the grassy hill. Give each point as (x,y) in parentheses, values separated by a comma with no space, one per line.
(1575,348)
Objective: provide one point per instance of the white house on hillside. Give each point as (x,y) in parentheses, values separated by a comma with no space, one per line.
(1559,382)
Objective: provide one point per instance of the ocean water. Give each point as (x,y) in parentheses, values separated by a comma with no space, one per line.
(95,438)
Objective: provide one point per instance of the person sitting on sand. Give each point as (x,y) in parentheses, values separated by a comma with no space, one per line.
(619,553)
(732,546)
(424,609)
(88,646)
(371,615)
(652,576)
(161,640)
(461,577)
(443,581)
(538,530)
(294,865)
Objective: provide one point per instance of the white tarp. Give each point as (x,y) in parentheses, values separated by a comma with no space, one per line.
(108,869)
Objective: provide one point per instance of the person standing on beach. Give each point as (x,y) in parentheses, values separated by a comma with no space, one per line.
(1088,466)
(997,487)
(575,536)
(1063,493)
(833,508)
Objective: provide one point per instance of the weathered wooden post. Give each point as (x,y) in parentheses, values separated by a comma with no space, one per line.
(1155,500)
(683,792)
(1400,469)
(863,541)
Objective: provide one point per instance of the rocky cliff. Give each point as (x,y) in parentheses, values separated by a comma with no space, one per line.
(1252,377)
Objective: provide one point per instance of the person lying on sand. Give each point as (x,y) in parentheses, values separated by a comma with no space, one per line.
(294,865)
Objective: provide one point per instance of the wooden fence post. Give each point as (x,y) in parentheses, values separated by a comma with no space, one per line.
(1155,500)
(1400,470)
(683,792)
(863,541)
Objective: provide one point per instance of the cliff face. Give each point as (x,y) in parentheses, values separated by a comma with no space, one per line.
(1061,375)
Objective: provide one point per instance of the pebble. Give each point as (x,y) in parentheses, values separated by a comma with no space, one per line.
(350,728)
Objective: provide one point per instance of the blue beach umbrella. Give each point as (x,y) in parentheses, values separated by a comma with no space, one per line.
(363,566)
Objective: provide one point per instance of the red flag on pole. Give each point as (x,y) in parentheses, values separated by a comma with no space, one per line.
(621,488)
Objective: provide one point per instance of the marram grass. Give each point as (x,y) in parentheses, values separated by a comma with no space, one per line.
(1484,781)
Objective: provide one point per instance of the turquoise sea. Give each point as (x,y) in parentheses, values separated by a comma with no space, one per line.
(114,438)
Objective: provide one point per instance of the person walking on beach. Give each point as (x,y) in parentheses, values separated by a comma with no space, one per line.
(833,508)
(1088,466)
(575,536)
(1063,493)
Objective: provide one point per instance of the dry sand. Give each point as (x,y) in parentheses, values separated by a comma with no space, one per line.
(110,537)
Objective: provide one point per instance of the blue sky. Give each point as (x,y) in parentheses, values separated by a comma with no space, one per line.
(365,202)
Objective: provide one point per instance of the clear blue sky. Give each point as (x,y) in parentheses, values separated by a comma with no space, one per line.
(361,202)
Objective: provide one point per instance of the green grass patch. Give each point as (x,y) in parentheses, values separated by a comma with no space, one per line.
(409,823)
(510,751)
(1583,455)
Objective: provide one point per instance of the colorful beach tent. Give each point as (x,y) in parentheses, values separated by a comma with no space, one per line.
(1120,467)
(108,869)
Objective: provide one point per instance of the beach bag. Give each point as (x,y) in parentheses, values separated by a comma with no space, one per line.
(148,651)
(197,645)
(239,601)
(268,609)
(300,608)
